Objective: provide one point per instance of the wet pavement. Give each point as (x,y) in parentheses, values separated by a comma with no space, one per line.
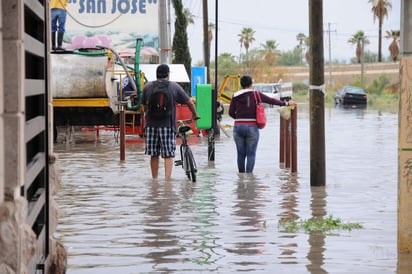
(115,219)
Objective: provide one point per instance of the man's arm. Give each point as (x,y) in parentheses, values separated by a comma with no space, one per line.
(192,108)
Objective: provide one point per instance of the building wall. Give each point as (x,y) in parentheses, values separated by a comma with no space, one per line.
(27,218)
(1,113)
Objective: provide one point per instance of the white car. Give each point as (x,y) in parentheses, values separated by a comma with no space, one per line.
(282,91)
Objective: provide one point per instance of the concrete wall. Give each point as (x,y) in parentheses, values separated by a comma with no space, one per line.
(17,242)
(21,250)
(1,113)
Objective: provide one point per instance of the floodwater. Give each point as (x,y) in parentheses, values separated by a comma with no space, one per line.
(115,219)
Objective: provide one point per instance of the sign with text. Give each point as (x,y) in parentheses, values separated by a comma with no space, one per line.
(114,23)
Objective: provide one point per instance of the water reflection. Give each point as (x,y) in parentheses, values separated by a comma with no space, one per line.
(160,243)
(115,219)
(247,210)
(205,236)
(290,212)
(317,239)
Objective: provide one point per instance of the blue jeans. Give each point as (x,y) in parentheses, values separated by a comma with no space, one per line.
(58,20)
(246,139)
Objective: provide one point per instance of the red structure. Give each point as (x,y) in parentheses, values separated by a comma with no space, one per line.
(288,142)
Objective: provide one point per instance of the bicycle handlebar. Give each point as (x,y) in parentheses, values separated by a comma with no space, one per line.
(182,122)
(184,128)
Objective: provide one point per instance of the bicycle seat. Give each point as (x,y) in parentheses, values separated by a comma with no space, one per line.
(184,129)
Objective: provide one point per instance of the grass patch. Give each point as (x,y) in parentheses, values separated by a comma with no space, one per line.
(383,102)
(318,225)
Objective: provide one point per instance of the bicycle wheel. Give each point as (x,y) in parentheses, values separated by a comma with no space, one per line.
(190,165)
(185,163)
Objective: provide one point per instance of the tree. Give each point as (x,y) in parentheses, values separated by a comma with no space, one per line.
(210,29)
(227,65)
(302,40)
(359,39)
(180,47)
(246,38)
(393,47)
(270,52)
(189,16)
(307,53)
(368,57)
(380,9)
(290,58)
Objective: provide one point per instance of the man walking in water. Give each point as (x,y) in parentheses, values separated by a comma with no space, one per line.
(161,127)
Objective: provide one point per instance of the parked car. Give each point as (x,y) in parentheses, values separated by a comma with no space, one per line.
(349,95)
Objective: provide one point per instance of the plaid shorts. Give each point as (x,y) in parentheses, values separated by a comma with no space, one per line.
(160,141)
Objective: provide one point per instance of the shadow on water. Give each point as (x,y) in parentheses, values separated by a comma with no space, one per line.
(115,219)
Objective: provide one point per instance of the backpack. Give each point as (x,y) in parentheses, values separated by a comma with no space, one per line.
(160,101)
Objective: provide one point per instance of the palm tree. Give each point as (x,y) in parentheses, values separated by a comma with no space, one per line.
(189,16)
(180,47)
(301,39)
(307,53)
(380,10)
(210,29)
(270,51)
(359,39)
(246,38)
(393,47)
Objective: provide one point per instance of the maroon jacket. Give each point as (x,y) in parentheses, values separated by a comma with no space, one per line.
(243,106)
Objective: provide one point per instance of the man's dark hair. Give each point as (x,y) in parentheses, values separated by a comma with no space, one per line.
(162,71)
(246,81)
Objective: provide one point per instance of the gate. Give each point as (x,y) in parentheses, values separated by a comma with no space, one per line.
(36,183)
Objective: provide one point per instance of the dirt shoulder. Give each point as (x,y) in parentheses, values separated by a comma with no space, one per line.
(343,74)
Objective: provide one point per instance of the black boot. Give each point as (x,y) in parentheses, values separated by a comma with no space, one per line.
(60,40)
(53,39)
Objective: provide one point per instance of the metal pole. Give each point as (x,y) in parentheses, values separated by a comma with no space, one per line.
(282,142)
(294,140)
(206,49)
(122,132)
(317,104)
(211,139)
(287,145)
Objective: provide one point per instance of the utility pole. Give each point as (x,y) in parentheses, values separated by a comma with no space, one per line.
(317,96)
(164,31)
(405,133)
(362,61)
(330,55)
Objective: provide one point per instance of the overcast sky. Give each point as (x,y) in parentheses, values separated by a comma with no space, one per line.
(282,20)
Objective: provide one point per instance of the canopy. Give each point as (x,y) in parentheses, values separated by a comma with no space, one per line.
(178,72)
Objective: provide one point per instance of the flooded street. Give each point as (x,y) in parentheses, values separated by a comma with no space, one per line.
(115,219)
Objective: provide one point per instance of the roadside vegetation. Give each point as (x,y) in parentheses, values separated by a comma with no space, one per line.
(382,93)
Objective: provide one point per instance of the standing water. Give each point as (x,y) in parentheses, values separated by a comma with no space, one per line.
(115,219)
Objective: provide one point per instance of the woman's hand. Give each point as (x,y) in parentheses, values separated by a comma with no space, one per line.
(291,103)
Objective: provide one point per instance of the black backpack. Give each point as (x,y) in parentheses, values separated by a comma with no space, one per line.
(160,101)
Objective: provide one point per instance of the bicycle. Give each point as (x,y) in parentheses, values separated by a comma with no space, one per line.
(187,161)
